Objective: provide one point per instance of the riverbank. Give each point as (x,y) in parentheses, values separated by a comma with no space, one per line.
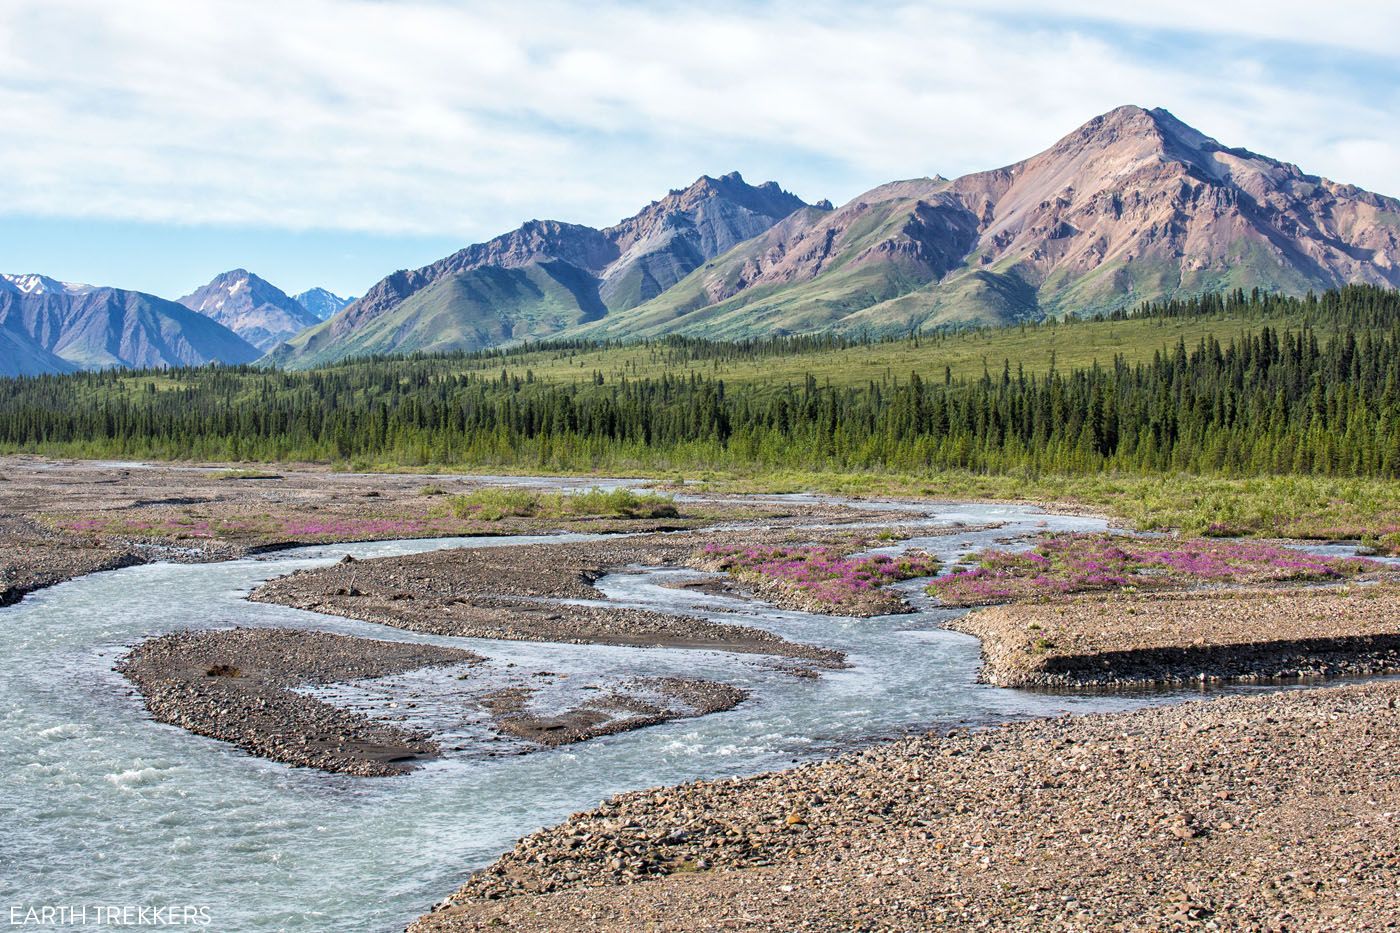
(1262,812)
(1253,635)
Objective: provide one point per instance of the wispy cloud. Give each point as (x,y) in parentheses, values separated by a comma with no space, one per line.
(464,119)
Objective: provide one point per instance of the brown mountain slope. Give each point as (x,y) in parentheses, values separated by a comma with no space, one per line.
(1138,197)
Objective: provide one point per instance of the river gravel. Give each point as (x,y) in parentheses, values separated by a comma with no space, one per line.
(1276,812)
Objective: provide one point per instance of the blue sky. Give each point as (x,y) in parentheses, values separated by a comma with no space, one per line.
(153,143)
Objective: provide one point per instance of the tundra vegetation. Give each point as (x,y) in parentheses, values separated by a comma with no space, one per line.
(493,504)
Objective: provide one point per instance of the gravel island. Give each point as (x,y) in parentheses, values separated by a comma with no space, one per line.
(533,592)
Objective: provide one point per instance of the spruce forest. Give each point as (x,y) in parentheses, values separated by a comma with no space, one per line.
(1311,387)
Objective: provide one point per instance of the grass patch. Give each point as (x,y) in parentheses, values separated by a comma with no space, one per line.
(494,504)
(1309,507)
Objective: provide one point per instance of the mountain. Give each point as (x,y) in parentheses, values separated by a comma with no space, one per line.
(546,276)
(321,303)
(254,309)
(1133,205)
(51,326)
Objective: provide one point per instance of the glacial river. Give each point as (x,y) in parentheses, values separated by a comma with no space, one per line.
(100,805)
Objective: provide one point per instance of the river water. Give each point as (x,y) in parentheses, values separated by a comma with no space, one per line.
(100,805)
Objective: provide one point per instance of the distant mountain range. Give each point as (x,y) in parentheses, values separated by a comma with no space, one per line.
(1133,205)
(49,326)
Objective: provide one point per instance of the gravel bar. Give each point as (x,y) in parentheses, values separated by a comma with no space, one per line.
(238,684)
(520,593)
(1254,635)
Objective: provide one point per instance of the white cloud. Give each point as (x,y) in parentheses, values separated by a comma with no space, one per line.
(417,116)
(1361,25)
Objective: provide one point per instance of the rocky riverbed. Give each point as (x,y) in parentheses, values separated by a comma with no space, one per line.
(264,690)
(632,704)
(1262,812)
(1270,812)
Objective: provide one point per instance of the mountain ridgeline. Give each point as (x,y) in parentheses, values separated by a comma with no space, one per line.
(48,326)
(1134,205)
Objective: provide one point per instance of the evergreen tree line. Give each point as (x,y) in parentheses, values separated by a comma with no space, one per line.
(1266,402)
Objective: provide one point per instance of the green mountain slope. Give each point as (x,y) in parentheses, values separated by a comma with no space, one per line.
(465,311)
(545,276)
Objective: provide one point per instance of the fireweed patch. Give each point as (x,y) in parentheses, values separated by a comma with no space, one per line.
(820,578)
(1080,563)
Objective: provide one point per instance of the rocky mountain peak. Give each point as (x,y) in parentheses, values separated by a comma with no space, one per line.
(52,326)
(250,306)
(1134,204)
